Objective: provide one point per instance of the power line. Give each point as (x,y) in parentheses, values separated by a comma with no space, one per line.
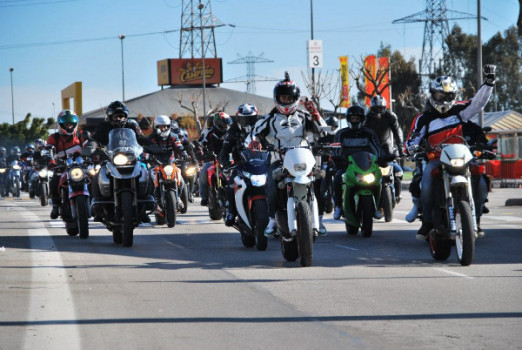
(16,4)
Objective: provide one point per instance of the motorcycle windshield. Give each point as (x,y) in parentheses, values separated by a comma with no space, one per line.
(123,140)
(363,160)
(254,162)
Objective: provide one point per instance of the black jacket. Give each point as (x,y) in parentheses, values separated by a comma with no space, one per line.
(233,143)
(387,129)
(354,140)
(101,135)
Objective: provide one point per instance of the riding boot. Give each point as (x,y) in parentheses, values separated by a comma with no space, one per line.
(414,212)
(55,212)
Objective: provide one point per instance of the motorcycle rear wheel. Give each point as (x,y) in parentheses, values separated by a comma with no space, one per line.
(305,234)
(127,214)
(184,199)
(214,210)
(387,204)
(465,239)
(260,223)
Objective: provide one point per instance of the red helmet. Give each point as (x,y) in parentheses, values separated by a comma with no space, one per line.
(255,145)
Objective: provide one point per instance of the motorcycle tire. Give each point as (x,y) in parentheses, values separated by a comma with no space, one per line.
(247,240)
(44,194)
(260,223)
(184,199)
(17,189)
(328,205)
(214,210)
(117,236)
(128,221)
(351,230)
(387,204)
(71,228)
(465,239)
(367,208)
(160,219)
(170,208)
(305,234)
(82,215)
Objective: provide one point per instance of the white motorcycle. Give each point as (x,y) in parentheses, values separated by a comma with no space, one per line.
(298,223)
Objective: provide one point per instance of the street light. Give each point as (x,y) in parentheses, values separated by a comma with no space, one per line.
(200,7)
(121,37)
(12,99)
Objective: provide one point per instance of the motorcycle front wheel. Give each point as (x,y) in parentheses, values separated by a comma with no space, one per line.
(127,214)
(214,210)
(170,208)
(44,194)
(465,239)
(82,215)
(387,204)
(367,208)
(261,222)
(305,234)
(184,199)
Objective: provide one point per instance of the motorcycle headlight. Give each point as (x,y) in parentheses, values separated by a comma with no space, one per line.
(258,180)
(16,167)
(92,171)
(300,166)
(120,159)
(2,171)
(43,173)
(457,162)
(367,178)
(76,174)
(168,169)
(190,171)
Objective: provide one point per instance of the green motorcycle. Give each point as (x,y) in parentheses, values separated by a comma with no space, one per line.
(361,192)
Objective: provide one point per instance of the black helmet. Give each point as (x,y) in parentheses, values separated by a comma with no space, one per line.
(333,122)
(68,122)
(15,151)
(355,111)
(2,151)
(222,121)
(39,144)
(115,110)
(246,115)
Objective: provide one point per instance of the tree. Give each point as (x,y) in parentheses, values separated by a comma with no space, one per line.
(194,110)
(25,131)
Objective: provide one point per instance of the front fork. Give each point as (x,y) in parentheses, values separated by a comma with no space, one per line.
(299,192)
(450,203)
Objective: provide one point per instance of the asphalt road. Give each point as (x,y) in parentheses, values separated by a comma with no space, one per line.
(196,287)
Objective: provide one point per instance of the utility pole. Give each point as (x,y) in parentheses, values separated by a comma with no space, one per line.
(479,60)
(12,96)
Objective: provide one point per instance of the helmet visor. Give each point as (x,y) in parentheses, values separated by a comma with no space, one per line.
(444,96)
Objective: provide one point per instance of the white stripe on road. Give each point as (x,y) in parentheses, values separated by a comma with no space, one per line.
(454,273)
(51,298)
(345,247)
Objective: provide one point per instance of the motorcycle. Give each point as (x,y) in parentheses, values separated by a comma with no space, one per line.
(388,196)
(14,181)
(189,171)
(75,210)
(328,168)
(28,171)
(123,184)
(216,191)
(3,175)
(454,214)
(250,198)
(361,178)
(298,222)
(167,181)
(40,179)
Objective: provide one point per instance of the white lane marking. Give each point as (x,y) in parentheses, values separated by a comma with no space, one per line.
(57,224)
(51,297)
(503,218)
(454,273)
(345,247)
(175,245)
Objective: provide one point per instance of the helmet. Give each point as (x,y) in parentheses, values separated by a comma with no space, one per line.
(29,147)
(114,110)
(3,151)
(67,122)
(443,93)
(15,151)
(286,87)
(255,145)
(333,122)
(159,121)
(39,144)
(378,104)
(174,126)
(222,121)
(183,134)
(354,111)
(246,115)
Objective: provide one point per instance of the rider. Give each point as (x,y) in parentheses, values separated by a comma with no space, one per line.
(66,140)
(3,165)
(182,135)
(28,161)
(233,144)
(443,118)
(285,126)
(168,143)
(386,124)
(354,137)
(212,140)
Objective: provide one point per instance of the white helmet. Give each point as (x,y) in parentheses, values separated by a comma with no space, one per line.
(443,93)
(162,120)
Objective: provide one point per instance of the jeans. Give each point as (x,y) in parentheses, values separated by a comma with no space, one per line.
(271,189)
(397,183)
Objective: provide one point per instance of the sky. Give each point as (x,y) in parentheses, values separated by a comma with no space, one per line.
(50,44)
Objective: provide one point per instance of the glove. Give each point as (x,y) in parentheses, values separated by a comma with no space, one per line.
(489,74)
(51,164)
(310,107)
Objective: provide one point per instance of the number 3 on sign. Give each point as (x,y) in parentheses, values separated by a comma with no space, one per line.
(315,54)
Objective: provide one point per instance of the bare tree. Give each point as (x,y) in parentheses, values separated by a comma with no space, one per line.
(193,108)
(362,73)
(320,86)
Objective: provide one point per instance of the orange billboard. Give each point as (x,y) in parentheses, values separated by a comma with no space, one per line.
(189,71)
